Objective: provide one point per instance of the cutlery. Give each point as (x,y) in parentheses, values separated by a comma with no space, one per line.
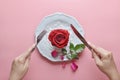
(40,36)
(81,37)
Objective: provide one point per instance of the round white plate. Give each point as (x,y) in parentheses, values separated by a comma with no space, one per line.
(56,21)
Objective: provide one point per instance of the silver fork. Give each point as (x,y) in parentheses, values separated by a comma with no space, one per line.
(40,36)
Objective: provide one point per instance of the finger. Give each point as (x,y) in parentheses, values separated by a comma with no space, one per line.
(96,49)
(102,50)
(27,62)
(96,58)
(92,45)
(92,55)
(31,49)
(28,52)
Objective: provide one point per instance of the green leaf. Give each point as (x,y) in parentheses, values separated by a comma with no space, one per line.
(69,56)
(79,47)
(71,47)
(74,56)
(64,51)
(72,51)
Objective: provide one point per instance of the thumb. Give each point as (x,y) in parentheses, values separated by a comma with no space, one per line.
(27,62)
(96,58)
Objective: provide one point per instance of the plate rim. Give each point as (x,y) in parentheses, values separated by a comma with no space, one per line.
(43,21)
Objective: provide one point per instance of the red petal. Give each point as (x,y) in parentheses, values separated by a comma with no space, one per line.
(74,66)
(57,41)
(62,57)
(64,65)
(54,53)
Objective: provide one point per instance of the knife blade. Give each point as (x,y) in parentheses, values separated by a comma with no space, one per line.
(40,36)
(81,37)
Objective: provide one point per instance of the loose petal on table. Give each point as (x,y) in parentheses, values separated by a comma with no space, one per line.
(74,66)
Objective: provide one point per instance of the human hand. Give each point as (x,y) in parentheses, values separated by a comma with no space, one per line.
(20,64)
(105,62)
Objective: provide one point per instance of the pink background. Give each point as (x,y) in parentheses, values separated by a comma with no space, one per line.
(19,19)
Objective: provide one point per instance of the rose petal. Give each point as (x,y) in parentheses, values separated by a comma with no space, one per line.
(54,53)
(74,66)
(59,38)
(64,65)
(62,57)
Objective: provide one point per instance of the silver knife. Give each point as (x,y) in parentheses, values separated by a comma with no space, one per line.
(40,36)
(81,37)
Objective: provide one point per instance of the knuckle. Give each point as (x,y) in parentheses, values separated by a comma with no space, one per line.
(98,64)
(20,60)
(108,54)
(16,59)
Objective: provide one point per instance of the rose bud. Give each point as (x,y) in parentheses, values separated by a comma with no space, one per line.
(59,38)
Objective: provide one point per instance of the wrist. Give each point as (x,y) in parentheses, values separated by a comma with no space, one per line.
(14,77)
(114,76)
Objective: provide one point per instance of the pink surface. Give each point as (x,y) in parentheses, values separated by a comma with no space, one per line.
(19,19)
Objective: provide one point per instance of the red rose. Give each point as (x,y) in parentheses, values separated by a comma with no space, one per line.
(59,37)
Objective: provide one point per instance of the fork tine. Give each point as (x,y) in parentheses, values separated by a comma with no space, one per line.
(40,36)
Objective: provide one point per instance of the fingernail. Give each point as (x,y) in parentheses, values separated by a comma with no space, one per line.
(92,45)
(34,45)
(88,42)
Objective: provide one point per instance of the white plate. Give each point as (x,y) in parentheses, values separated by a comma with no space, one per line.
(56,21)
